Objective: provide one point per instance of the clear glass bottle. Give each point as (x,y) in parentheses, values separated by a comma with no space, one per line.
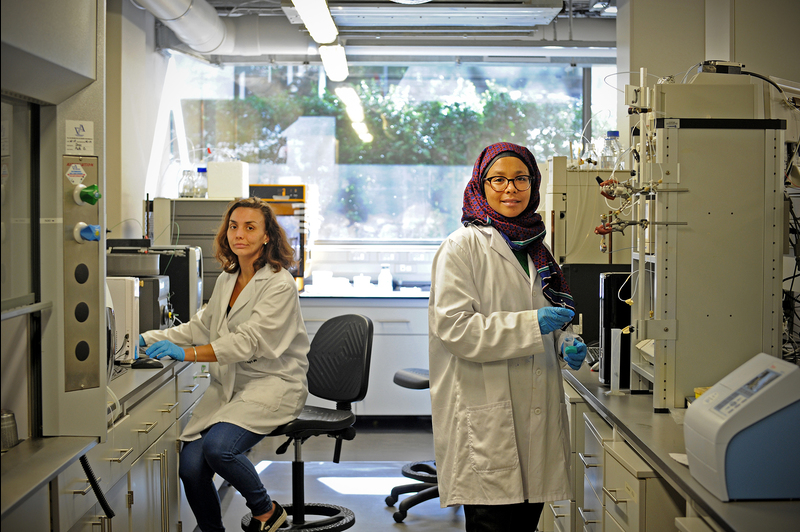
(201,183)
(589,157)
(186,186)
(611,150)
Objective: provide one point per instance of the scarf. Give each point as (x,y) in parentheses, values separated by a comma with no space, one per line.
(524,232)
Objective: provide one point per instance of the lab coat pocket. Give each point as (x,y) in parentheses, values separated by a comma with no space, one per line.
(492,442)
(266,393)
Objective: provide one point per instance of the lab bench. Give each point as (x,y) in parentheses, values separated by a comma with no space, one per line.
(44,484)
(639,447)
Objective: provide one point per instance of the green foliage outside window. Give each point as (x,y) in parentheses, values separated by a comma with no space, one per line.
(426,132)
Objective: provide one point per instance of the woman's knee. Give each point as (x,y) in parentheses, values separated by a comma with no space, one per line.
(217,450)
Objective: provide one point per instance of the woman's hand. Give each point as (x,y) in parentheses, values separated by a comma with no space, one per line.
(574,354)
(165,348)
(552,318)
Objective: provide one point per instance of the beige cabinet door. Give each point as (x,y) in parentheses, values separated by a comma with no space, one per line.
(154,486)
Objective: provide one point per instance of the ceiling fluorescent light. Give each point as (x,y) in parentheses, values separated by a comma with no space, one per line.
(335,62)
(317,19)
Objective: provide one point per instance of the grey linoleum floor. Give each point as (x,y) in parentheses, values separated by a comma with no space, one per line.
(377,453)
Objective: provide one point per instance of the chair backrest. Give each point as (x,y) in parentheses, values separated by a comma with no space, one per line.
(339,359)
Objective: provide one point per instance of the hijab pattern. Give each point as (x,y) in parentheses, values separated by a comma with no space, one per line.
(523,232)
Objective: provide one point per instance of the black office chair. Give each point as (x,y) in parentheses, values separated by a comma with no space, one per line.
(425,472)
(338,371)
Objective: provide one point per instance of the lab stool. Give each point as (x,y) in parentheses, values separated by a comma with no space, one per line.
(425,472)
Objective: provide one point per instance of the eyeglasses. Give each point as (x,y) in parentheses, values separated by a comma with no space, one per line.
(499,184)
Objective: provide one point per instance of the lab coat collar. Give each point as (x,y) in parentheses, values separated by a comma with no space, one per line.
(247,292)
(499,245)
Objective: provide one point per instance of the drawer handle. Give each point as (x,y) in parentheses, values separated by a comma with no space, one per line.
(612,497)
(87,489)
(103,521)
(586,521)
(125,454)
(190,390)
(150,427)
(585,463)
(202,376)
(170,407)
(555,512)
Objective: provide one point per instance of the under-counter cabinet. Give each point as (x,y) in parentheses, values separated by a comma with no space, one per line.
(153,482)
(596,432)
(400,340)
(564,514)
(137,465)
(636,499)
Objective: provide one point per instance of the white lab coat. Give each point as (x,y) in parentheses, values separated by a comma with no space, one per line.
(259,379)
(500,425)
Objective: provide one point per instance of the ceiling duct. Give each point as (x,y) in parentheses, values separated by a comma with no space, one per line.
(197,24)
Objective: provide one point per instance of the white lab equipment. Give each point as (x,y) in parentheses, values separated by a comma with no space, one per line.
(385,279)
(741,435)
(125,295)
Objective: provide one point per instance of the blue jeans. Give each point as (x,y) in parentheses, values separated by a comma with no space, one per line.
(220,450)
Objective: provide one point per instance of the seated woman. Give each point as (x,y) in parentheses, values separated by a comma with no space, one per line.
(499,311)
(252,334)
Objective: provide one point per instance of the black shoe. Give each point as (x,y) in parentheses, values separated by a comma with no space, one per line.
(271,525)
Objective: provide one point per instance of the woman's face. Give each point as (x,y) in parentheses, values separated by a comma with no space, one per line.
(510,202)
(247,233)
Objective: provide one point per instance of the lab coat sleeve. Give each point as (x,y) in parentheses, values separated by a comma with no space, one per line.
(270,329)
(194,332)
(457,317)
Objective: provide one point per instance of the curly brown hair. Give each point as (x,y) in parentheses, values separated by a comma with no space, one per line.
(278,253)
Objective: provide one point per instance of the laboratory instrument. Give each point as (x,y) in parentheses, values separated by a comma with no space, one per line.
(686,219)
(741,435)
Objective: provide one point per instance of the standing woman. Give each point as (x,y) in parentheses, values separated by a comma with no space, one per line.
(498,320)
(253,334)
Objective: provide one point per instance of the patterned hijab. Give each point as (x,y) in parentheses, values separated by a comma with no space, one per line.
(524,232)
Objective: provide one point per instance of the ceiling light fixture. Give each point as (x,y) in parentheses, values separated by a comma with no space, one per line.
(317,18)
(335,61)
(355,111)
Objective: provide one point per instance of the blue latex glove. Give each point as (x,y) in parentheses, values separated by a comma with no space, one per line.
(141,341)
(552,318)
(165,348)
(574,354)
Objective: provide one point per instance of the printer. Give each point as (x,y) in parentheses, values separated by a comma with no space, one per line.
(742,434)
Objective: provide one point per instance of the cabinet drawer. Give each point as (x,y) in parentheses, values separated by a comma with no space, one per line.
(562,512)
(590,515)
(75,494)
(623,485)
(192,381)
(147,420)
(596,433)
(610,524)
(576,407)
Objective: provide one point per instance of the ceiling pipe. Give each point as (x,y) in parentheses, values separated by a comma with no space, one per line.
(197,24)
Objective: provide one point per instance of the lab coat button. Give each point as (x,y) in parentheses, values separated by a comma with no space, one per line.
(538,371)
(537,411)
